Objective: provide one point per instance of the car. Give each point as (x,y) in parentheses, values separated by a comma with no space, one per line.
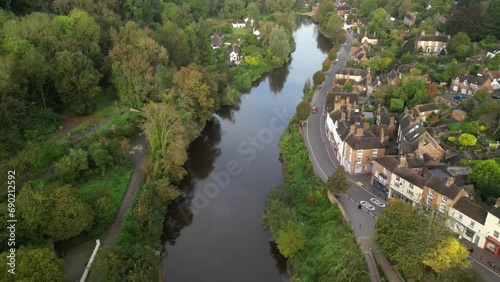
(459,97)
(314,110)
(496,97)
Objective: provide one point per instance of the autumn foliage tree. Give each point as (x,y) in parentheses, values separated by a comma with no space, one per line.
(326,64)
(318,77)
(449,253)
(332,54)
(303,110)
(338,183)
(467,139)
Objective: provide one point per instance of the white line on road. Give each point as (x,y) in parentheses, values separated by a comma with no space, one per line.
(312,151)
(368,192)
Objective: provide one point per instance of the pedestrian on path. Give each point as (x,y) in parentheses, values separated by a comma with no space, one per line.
(360,226)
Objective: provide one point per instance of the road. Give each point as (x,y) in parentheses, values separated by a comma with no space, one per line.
(324,164)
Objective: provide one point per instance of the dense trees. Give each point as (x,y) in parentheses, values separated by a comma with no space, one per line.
(279,45)
(491,20)
(303,110)
(427,242)
(318,77)
(486,176)
(338,183)
(35,265)
(460,45)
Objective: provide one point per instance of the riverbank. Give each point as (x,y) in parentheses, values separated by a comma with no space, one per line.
(307,228)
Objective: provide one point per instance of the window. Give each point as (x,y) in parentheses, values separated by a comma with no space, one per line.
(465,81)
(409,192)
(460,216)
(442,207)
(431,192)
(472,223)
(360,153)
(397,178)
(495,234)
(469,233)
(411,185)
(444,199)
(455,88)
(429,200)
(385,172)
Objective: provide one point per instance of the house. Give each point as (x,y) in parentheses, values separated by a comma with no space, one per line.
(406,185)
(233,57)
(431,44)
(239,24)
(492,230)
(353,141)
(494,77)
(441,194)
(217,40)
(385,118)
(342,11)
(394,78)
(415,138)
(256,32)
(468,85)
(368,39)
(468,220)
(424,111)
(359,54)
(382,173)
(492,52)
(409,19)
(357,78)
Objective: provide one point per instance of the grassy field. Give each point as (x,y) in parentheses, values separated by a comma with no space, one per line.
(241,31)
(459,125)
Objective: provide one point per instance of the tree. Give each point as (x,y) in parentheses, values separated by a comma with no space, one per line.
(341,37)
(465,18)
(70,167)
(486,176)
(467,139)
(460,45)
(34,204)
(303,110)
(347,86)
(332,54)
(176,41)
(135,58)
(338,182)
(379,23)
(450,253)
(35,264)
(307,86)
(325,8)
(318,77)
(333,26)
(76,81)
(233,9)
(326,64)
(168,141)
(367,7)
(279,44)
(68,215)
(291,239)
(253,10)
(491,19)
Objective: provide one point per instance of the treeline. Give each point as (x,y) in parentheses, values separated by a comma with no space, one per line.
(154,56)
(306,227)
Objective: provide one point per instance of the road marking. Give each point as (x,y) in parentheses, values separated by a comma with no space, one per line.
(377,202)
(312,151)
(367,191)
(359,183)
(367,205)
(483,265)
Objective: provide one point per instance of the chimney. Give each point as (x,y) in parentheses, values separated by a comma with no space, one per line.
(360,131)
(450,181)
(420,145)
(366,126)
(392,122)
(436,33)
(342,116)
(352,128)
(366,33)
(417,119)
(382,135)
(423,32)
(497,204)
(402,161)
(348,113)
(369,78)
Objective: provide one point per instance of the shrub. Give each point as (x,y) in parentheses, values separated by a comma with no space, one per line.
(326,64)
(40,155)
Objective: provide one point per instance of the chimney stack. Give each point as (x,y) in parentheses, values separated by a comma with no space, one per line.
(366,126)
(342,116)
(420,145)
(450,181)
(497,204)
(382,135)
(402,161)
(359,131)
(392,122)
(352,128)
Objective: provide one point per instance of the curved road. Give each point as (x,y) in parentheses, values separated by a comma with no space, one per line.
(324,164)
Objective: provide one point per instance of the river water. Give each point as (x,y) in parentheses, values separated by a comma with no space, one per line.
(214,232)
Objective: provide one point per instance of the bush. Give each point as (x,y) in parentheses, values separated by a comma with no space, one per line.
(326,64)
(452,139)
(41,155)
(71,166)
(318,77)
(396,105)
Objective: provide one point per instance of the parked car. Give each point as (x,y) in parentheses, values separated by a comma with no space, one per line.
(496,97)
(459,97)
(314,109)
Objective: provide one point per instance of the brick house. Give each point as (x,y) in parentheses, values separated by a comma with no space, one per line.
(431,44)
(441,194)
(424,111)
(468,85)
(382,172)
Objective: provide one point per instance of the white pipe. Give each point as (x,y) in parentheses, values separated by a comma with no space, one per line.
(92,257)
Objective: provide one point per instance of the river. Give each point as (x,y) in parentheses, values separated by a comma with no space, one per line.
(214,232)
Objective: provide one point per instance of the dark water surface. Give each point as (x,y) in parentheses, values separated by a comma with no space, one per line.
(214,232)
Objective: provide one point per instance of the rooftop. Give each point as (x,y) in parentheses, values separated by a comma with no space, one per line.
(439,185)
(470,209)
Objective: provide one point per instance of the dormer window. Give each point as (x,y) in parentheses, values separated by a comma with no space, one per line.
(457,79)
(465,81)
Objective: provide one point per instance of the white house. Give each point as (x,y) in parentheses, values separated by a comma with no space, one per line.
(406,185)
(256,32)
(468,220)
(239,24)
(492,230)
(234,57)
(492,52)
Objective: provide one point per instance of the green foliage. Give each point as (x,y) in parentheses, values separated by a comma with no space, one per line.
(422,234)
(338,182)
(486,176)
(33,264)
(330,249)
(466,139)
(332,54)
(318,77)
(367,7)
(303,110)
(307,86)
(326,64)
(41,155)
(68,215)
(34,203)
(325,9)
(491,19)
(291,239)
(333,25)
(71,166)
(396,105)
(460,45)
(279,44)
